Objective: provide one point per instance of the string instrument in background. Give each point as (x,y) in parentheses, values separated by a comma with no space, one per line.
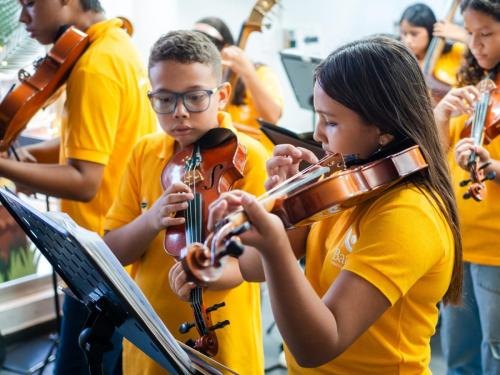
(483,127)
(209,167)
(252,24)
(332,185)
(23,101)
(437,87)
(38,90)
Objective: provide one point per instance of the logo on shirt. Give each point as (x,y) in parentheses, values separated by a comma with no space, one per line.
(144,206)
(340,251)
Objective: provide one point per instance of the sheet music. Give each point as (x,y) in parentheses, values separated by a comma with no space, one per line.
(101,253)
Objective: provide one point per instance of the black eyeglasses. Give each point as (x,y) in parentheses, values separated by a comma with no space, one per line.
(165,103)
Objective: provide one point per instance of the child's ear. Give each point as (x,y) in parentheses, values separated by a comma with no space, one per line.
(224,93)
(385,139)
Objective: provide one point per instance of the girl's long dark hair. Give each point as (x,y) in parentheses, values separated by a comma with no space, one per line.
(380,80)
(421,15)
(471,73)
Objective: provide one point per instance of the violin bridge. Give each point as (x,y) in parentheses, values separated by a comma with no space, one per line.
(193,177)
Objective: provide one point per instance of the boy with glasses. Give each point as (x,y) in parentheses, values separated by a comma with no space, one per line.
(188,96)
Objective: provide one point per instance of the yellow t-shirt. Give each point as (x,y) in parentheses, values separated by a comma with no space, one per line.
(246,113)
(106,112)
(401,244)
(448,64)
(240,343)
(479,221)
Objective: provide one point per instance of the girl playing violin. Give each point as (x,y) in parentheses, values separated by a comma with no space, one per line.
(367,303)
(471,333)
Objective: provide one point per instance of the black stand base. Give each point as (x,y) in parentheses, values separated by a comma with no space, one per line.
(95,338)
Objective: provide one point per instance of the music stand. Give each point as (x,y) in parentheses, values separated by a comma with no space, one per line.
(279,135)
(92,275)
(300,72)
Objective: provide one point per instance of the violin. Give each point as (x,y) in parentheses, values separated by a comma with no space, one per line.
(434,51)
(22,102)
(332,185)
(252,24)
(209,167)
(483,127)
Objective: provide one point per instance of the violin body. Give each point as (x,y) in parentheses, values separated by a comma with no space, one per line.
(304,199)
(347,188)
(223,162)
(209,167)
(33,92)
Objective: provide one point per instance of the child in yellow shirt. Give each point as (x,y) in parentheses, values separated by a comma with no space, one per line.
(375,273)
(258,90)
(471,333)
(187,95)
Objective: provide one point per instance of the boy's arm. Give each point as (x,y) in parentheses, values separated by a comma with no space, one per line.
(46,152)
(129,242)
(78,180)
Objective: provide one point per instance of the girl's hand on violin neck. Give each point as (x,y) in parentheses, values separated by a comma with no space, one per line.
(464,148)
(285,163)
(174,199)
(177,278)
(267,233)
(457,101)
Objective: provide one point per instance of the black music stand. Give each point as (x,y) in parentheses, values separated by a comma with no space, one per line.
(110,306)
(279,135)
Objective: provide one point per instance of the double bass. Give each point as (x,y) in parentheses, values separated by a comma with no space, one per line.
(209,167)
(253,23)
(334,184)
(437,87)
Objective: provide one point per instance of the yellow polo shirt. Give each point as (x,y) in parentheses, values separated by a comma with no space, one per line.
(240,343)
(479,221)
(448,64)
(246,113)
(401,244)
(106,112)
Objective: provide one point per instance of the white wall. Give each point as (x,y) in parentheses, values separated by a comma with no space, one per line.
(334,21)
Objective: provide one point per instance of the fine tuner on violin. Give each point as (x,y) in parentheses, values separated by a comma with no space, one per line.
(483,128)
(330,186)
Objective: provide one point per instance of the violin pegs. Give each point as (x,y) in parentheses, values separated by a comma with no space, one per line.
(487,164)
(467,195)
(185,327)
(465,182)
(219,325)
(215,307)
(489,176)
(191,343)
(240,229)
(234,248)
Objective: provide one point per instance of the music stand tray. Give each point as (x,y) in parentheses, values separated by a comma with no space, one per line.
(300,72)
(98,280)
